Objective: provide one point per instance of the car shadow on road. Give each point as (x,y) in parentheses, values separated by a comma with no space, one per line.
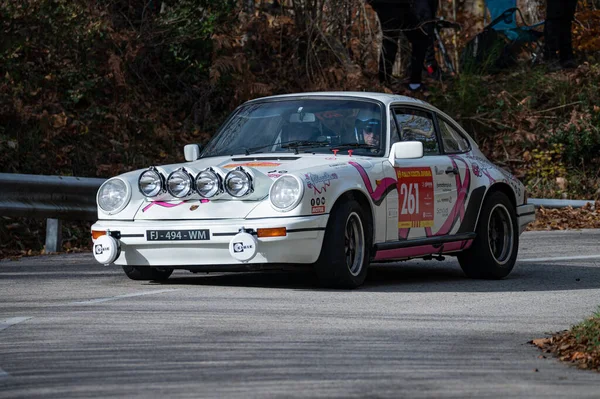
(448,277)
(419,276)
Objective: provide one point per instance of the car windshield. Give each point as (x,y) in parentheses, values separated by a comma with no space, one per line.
(302,125)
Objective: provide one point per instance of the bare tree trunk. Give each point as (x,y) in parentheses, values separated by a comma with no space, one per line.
(477,9)
(531,10)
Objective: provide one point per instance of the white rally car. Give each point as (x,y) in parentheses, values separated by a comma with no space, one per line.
(334,180)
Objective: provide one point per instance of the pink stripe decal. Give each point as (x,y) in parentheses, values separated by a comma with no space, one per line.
(422,250)
(382,188)
(163,204)
(458,210)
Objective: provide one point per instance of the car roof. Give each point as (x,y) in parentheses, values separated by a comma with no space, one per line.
(383,97)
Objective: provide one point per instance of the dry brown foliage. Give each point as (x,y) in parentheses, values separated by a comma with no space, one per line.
(587,217)
(577,346)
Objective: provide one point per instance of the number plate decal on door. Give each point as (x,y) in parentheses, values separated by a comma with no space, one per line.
(415,196)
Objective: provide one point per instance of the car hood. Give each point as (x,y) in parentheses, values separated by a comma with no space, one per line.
(269,167)
(272,166)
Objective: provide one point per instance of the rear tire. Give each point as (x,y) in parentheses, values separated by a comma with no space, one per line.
(146,273)
(494,250)
(345,252)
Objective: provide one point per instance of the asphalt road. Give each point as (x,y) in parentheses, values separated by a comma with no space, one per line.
(73,328)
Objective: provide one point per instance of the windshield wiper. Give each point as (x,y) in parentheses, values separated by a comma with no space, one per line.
(303,143)
(294,144)
(356,145)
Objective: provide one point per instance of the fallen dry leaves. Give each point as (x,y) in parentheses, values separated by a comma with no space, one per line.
(568,218)
(567,347)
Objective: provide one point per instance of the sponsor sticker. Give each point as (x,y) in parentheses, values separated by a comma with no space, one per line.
(415,197)
(240,247)
(317,201)
(318,209)
(319,183)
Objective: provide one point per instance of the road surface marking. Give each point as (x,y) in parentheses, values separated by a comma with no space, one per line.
(114,298)
(560,258)
(3,374)
(4,324)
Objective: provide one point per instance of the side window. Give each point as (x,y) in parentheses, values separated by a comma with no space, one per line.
(417,125)
(452,141)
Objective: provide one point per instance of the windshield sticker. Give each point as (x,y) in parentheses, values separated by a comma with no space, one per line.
(415,197)
(252,165)
(319,183)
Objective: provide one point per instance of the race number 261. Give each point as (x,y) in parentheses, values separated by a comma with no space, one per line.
(415,196)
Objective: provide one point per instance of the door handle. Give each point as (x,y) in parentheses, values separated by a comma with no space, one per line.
(452,170)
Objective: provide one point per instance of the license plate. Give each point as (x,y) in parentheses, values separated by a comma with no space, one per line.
(177,235)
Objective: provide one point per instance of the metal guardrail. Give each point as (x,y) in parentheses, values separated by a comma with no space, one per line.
(54,198)
(556,203)
(57,198)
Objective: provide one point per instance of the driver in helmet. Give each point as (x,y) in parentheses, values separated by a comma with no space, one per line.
(369,131)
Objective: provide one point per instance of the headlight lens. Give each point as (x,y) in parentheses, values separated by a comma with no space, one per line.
(179,183)
(238,183)
(113,196)
(150,183)
(208,183)
(286,193)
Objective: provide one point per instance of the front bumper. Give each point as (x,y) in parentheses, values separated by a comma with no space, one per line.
(302,244)
(525,215)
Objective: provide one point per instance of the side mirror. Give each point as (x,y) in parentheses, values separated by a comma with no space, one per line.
(406,150)
(191,152)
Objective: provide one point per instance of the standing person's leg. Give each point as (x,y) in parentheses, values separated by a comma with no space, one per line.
(391,23)
(565,41)
(421,37)
(419,43)
(433,69)
(552,29)
(389,49)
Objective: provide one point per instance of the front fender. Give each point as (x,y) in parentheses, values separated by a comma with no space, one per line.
(323,186)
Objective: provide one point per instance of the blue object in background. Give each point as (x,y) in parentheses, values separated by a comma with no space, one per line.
(503,14)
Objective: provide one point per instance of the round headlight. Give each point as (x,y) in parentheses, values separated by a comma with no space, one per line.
(179,183)
(208,183)
(286,193)
(150,183)
(113,196)
(238,183)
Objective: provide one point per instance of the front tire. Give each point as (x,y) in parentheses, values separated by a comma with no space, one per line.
(494,250)
(345,253)
(147,273)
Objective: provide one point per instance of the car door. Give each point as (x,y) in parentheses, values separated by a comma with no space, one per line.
(456,146)
(426,186)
